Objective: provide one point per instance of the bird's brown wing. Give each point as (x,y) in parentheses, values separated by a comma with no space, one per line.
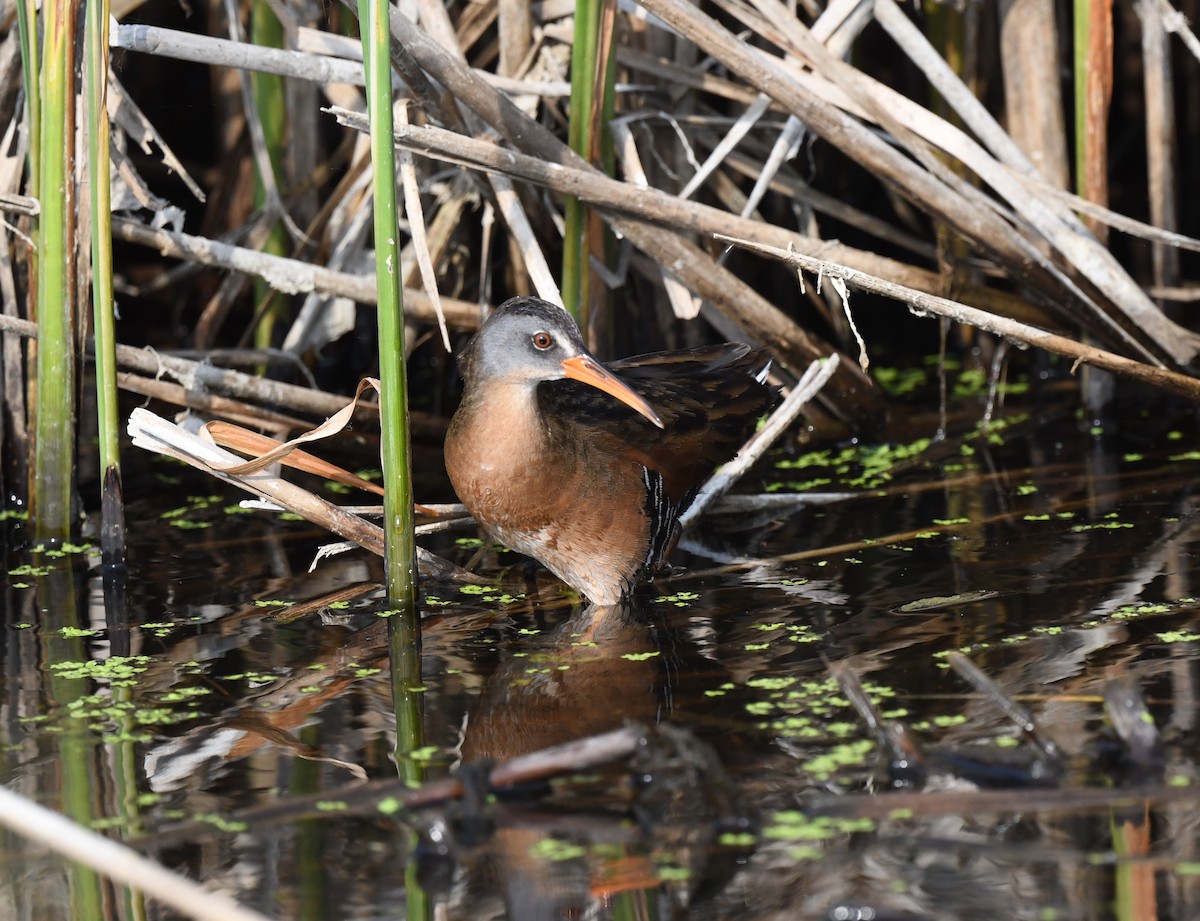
(709,399)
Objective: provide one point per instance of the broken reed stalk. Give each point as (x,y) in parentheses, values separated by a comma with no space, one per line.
(156,434)
(52,488)
(400,555)
(921,304)
(291,276)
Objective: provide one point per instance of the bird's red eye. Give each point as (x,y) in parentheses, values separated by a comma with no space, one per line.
(542,340)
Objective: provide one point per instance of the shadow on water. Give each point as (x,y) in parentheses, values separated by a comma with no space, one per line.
(232,715)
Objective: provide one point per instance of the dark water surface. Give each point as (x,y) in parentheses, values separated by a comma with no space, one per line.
(224,735)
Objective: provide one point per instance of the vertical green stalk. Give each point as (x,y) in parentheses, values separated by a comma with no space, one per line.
(54,429)
(404,646)
(30,68)
(76,768)
(592,95)
(125,769)
(312,864)
(270,103)
(96,47)
(404,635)
(1082,15)
(584,51)
(400,555)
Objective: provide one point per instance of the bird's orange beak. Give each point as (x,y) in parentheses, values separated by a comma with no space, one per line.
(586,369)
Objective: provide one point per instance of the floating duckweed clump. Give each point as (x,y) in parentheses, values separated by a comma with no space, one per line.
(899,382)
(61,551)
(812,713)
(640,656)
(1178,636)
(679,599)
(185,516)
(965,384)
(793,825)
(555,850)
(673,874)
(118,671)
(852,467)
(489,593)
(125,720)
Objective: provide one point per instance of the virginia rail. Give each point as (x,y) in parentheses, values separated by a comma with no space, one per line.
(586,467)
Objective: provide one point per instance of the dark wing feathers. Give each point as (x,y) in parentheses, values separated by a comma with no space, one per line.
(709,399)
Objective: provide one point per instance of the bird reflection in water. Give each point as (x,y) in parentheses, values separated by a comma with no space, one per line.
(571,849)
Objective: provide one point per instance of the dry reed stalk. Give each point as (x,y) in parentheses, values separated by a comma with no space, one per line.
(162,437)
(1161,138)
(659,207)
(851,391)
(287,275)
(922,304)
(811,96)
(1033,99)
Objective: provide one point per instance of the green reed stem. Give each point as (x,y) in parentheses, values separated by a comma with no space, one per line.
(592,94)
(1082,19)
(30,68)
(54,428)
(584,55)
(270,104)
(75,770)
(400,554)
(404,647)
(96,52)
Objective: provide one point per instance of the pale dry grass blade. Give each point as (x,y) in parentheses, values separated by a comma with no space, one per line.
(517,221)
(322,319)
(740,129)
(122,111)
(416,225)
(683,303)
(115,861)
(434,17)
